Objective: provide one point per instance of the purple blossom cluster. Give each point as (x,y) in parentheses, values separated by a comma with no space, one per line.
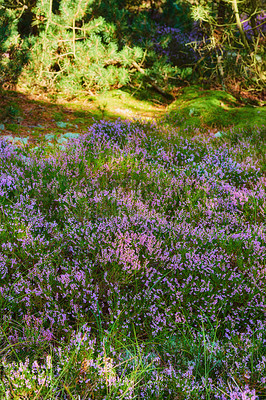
(181,48)
(176,45)
(132,265)
(259,28)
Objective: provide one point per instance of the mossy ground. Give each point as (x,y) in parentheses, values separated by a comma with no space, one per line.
(28,115)
(213,109)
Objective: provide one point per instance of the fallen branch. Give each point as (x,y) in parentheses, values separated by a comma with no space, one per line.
(151,81)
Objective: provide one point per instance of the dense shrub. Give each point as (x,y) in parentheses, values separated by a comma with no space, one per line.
(74,52)
(13,52)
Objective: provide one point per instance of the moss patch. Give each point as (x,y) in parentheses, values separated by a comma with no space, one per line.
(213,109)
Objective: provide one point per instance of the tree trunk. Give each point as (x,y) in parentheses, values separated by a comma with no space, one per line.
(240,26)
(253,18)
(220,20)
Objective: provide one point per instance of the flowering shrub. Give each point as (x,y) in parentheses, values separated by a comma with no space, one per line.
(174,44)
(133,266)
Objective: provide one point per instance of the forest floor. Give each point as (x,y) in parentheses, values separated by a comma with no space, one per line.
(32,116)
(27,115)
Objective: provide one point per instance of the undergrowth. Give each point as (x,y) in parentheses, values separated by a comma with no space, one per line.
(132,265)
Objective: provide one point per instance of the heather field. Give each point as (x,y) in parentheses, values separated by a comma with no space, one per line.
(132,264)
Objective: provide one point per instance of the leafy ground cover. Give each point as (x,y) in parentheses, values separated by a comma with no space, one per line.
(132,264)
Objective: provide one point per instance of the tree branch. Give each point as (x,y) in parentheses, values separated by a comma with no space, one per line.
(151,81)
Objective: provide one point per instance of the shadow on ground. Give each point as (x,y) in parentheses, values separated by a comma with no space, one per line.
(34,116)
(27,115)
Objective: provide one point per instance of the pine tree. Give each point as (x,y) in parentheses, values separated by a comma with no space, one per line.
(75,52)
(13,51)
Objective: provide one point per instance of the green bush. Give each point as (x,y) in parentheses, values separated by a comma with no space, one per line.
(13,51)
(75,52)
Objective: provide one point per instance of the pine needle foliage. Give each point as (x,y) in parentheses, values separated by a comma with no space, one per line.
(76,52)
(13,51)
